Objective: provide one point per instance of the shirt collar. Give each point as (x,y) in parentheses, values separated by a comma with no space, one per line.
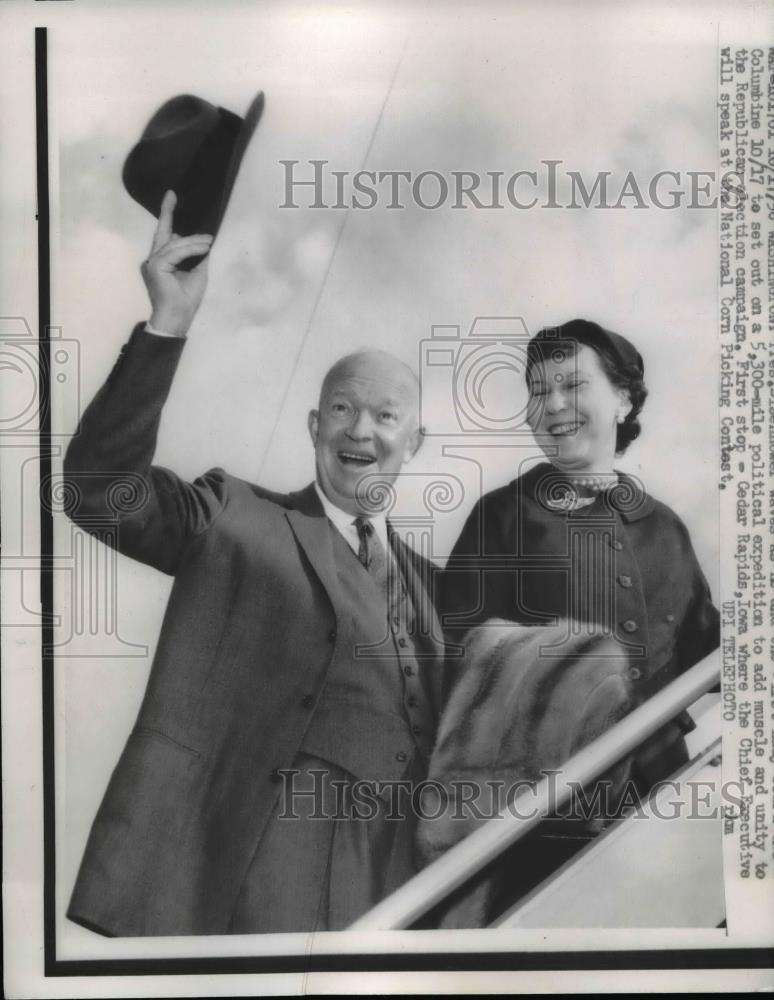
(344,522)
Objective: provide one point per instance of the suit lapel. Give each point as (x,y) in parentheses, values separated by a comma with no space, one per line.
(313,532)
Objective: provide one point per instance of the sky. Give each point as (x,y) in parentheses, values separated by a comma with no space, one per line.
(476,89)
(382,87)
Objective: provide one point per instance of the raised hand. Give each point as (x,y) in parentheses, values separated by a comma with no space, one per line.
(175,294)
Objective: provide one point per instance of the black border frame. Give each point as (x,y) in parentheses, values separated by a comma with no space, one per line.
(524,961)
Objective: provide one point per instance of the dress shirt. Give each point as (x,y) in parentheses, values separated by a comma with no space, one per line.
(345,523)
(161,333)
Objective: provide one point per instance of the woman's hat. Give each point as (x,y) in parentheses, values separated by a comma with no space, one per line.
(584,331)
(193,148)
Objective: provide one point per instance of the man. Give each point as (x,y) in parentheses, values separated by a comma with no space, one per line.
(296,656)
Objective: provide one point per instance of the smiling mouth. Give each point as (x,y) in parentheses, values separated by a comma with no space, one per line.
(356,459)
(565,429)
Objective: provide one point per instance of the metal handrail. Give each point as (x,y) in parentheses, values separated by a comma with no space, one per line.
(434,883)
(599,849)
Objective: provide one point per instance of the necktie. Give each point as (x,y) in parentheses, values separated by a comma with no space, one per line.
(370,553)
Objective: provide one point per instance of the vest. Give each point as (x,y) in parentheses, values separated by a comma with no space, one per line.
(373,716)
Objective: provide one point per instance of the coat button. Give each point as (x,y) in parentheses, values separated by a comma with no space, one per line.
(307,701)
(396,621)
(635,673)
(275,776)
(403,642)
(416,730)
(402,756)
(630,625)
(625,581)
(411,701)
(669,618)
(408,670)
(332,634)
(617,545)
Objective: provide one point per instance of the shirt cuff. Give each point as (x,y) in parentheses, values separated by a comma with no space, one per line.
(161,333)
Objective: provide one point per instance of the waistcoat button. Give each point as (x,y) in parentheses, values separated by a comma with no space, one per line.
(630,625)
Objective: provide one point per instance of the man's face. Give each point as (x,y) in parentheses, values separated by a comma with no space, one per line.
(574,410)
(366,426)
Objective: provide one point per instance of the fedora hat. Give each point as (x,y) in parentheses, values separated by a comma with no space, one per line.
(193,148)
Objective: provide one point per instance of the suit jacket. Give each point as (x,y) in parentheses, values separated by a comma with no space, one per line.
(625,562)
(250,632)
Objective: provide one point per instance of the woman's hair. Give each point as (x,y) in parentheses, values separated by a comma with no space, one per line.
(620,361)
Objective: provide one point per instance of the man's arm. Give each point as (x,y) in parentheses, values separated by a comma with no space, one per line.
(108,463)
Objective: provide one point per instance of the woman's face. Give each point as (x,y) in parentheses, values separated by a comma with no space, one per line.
(574,410)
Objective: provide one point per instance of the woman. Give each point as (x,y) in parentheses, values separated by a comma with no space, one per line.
(573,540)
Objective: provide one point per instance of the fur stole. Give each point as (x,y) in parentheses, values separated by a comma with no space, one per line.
(527,698)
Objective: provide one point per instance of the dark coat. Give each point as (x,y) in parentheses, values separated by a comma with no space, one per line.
(626,562)
(250,632)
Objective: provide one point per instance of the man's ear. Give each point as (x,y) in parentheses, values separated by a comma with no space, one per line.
(414,443)
(313,423)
